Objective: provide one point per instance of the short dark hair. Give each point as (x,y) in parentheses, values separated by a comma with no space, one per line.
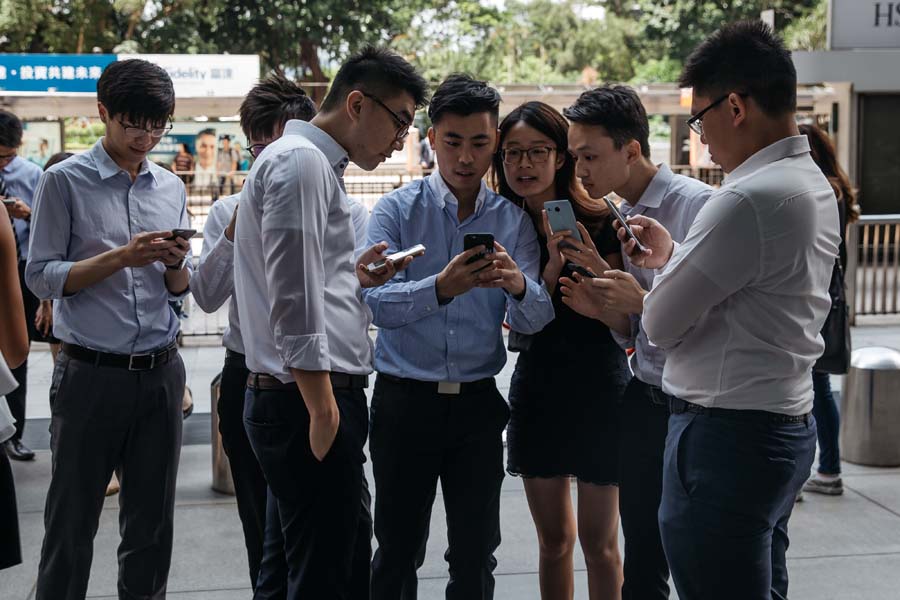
(376,71)
(616,108)
(746,57)
(463,95)
(271,103)
(207,131)
(57,158)
(10,130)
(137,89)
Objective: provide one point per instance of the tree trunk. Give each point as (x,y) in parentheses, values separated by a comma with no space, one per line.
(309,63)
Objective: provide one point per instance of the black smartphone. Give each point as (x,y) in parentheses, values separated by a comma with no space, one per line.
(184,234)
(580,270)
(9,201)
(473,240)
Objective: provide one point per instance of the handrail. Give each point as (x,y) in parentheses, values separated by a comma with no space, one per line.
(873,266)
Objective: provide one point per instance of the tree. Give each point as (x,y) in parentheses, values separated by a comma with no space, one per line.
(809,31)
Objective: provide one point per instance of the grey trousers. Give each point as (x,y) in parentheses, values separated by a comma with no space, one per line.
(106,419)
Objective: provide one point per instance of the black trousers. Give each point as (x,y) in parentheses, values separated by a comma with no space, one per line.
(10,547)
(106,419)
(644,426)
(418,437)
(317,505)
(249,483)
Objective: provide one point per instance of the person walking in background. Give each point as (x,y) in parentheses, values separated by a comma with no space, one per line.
(226,164)
(738,307)
(610,136)
(18,180)
(827,478)
(563,425)
(13,351)
(265,110)
(103,248)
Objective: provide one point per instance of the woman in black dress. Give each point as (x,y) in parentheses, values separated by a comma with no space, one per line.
(569,379)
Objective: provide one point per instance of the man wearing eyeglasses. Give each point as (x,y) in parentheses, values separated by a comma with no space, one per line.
(436,410)
(102,248)
(18,180)
(738,307)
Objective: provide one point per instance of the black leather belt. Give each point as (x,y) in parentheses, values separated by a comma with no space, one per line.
(442,387)
(678,406)
(132,362)
(339,381)
(235,360)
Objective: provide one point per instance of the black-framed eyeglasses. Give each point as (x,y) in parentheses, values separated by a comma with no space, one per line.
(402,124)
(135,133)
(255,149)
(696,122)
(4,158)
(536,155)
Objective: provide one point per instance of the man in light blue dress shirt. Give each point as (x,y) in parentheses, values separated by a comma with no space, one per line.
(610,126)
(18,179)
(436,411)
(102,248)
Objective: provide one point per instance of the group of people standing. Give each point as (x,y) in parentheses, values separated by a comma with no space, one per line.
(701,446)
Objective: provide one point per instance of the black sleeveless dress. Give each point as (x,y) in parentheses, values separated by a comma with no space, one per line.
(566,392)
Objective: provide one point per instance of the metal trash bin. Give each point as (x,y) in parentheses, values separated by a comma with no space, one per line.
(870,408)
(221,469)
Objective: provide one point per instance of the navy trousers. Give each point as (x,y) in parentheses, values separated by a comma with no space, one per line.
(729,484)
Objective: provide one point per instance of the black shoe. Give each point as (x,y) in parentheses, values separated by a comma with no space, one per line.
(16,450)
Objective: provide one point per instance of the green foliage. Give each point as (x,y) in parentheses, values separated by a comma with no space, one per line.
(809,31)
(657,70)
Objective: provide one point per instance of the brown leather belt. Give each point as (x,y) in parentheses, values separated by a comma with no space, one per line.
(339,381)
(132,362)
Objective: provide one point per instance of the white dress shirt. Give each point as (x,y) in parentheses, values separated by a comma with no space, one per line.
(674,201)
(740,304)
(212,283)
(294,267)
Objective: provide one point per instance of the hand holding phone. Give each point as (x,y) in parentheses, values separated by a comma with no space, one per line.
(628,231)
(562,218)
(9,201)
(473,240)
(184,234)
(398,257)
(460,276)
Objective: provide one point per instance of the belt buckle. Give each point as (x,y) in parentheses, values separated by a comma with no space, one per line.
(131,358)
(449,387)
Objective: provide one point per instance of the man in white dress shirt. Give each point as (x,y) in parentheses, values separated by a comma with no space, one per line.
(738,307)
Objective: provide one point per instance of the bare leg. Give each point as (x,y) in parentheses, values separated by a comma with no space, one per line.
(554,518)
(598,532)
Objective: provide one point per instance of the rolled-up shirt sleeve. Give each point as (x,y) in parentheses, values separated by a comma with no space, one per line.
(47,269)
(534,310)
(720,255)
(212,283)
(400,301)
(294,219)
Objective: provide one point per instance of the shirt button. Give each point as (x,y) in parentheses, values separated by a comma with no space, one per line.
(452,332)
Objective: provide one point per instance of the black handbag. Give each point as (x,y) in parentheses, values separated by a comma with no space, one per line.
(836,330)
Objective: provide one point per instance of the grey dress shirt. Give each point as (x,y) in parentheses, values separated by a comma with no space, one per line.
(85,206)
(674,201)
(294,264)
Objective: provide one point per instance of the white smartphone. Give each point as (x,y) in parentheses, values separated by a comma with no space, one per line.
(618,215)
(562,218)
(381,265)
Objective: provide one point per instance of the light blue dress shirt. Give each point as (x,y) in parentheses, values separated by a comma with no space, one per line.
(460,341)
(85,206)
(21,177)
(674,201)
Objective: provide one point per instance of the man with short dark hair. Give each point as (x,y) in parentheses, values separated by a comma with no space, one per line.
(102,247)
(609,126)
(436,411)
(738,307)
(265,110)
(18,180)
(297,284)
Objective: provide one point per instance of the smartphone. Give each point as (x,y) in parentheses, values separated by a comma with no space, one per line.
(9,201)
(184,234)
(473,240)
(618,215)
(562,218)
(381,265)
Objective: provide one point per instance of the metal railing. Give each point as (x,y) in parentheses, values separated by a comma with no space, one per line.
(873,266)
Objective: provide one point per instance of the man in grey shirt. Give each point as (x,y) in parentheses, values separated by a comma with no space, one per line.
(297,286)
(610,122)
(264,111)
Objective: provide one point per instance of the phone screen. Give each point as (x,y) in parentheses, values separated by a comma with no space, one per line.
(618,215)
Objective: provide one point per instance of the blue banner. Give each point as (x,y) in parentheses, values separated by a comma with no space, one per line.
(49,73)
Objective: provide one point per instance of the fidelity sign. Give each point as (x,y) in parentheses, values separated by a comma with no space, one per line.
(865,24)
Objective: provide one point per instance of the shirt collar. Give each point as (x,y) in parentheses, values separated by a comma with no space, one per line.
(107,167)
(333,151)
(445,196)
(783,148)
(656,190)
